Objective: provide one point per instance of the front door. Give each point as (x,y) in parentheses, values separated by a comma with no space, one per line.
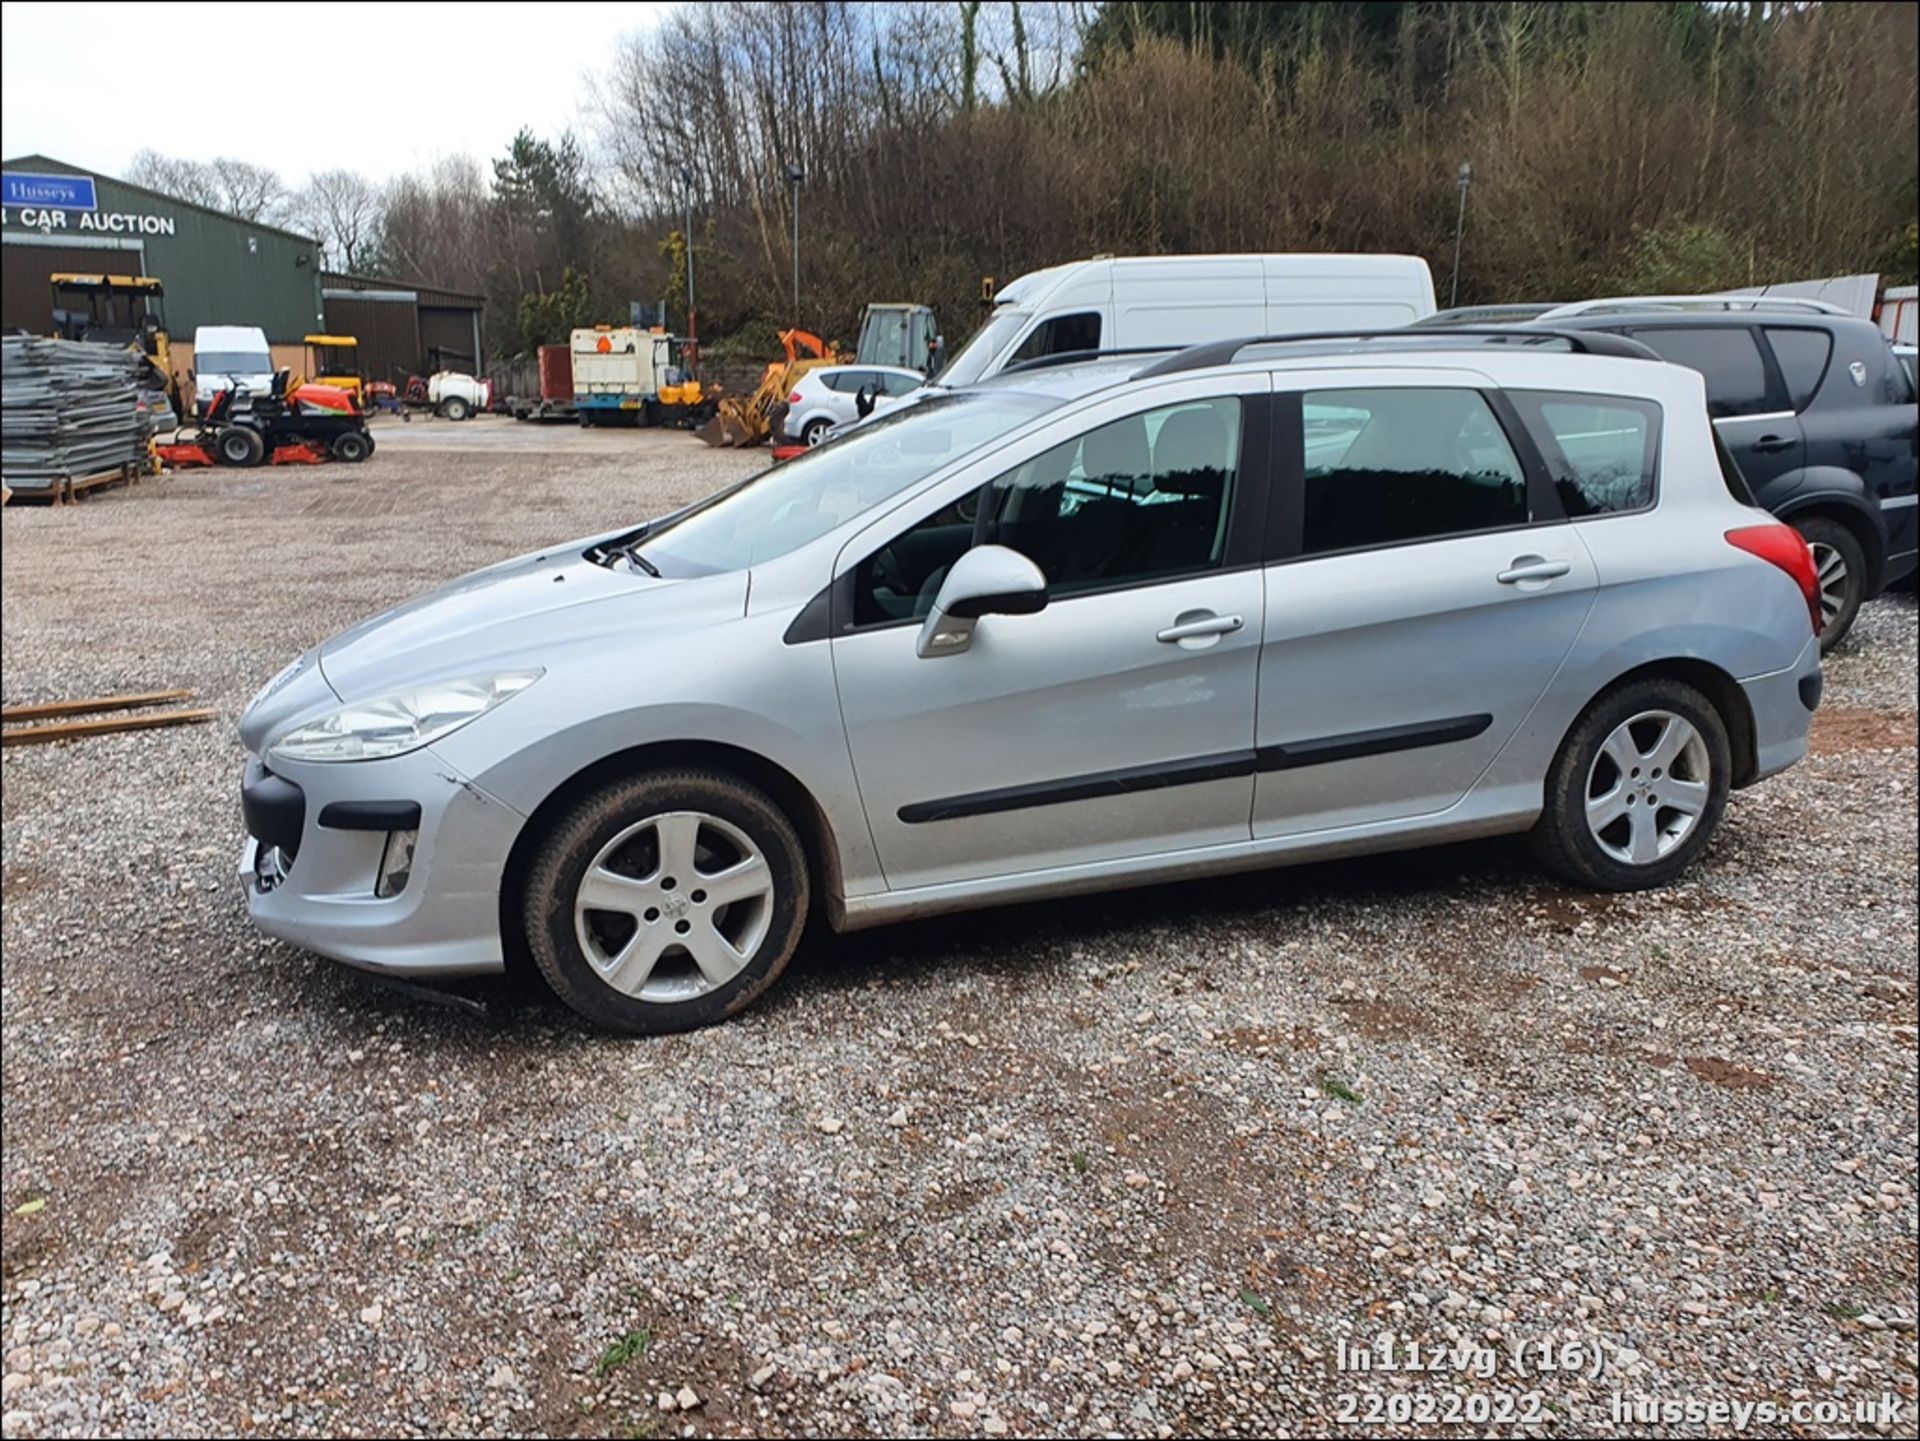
(1432,594)
(1118,721)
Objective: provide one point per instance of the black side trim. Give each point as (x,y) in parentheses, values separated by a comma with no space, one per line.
(371,816)
(1082,788)
(1810,688)
(811,623)
(1355,744)
(1224,766)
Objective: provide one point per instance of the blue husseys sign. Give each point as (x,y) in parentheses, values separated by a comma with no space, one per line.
(48,192)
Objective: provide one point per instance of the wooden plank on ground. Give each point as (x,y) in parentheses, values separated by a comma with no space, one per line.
(49,709)
(105,725)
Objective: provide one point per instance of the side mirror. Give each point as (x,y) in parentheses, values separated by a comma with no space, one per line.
(987,580)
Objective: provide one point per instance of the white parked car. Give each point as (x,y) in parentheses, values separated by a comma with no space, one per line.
(829,396)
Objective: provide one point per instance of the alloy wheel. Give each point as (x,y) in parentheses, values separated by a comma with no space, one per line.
(1648,787)
(674,906)
(1831,566)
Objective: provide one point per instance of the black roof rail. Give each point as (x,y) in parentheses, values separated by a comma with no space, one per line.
(1578,342)
(1077,357)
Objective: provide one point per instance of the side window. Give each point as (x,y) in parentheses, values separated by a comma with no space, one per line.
(1802,355)
(1387,466)
(848,382)
(1060,335)
(891,384)
(1729,359)
(1143,498)
(1602,451)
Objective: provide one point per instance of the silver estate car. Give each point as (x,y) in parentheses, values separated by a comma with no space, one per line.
(1123,621)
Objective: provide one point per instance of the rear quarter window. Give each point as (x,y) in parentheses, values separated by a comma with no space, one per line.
(1802,355)
(1601,452)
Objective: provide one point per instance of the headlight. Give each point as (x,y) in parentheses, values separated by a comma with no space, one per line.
(401,722)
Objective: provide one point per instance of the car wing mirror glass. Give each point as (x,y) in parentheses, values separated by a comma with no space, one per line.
(987,580)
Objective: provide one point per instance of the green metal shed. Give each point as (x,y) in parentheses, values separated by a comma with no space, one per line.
(218,270)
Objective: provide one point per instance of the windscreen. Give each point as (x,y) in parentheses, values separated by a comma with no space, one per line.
(977,354)
(782,509)
(233,362)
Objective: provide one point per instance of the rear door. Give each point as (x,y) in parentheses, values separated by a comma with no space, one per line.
(1747,397)
(1426,590)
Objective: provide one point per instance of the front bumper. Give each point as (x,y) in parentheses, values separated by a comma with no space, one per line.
(1783,703)
(312,859)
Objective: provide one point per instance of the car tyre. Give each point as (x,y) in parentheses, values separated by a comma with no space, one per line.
(1840,562)
(239,446)
(618,883)
(455,407)
(815,430)
(1637,789)
(351,446)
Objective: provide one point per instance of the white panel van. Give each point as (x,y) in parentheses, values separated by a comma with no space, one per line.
(228,355)
(1176,300)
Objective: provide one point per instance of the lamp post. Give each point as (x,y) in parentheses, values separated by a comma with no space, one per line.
(795,175)
(693,323)
(1459,230)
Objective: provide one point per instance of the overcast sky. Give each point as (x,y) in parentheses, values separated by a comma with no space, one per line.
(382,89)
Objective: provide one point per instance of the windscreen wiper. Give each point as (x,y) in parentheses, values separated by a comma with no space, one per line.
(631,551)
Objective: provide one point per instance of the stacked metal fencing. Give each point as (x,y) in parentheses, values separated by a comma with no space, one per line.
(70,411)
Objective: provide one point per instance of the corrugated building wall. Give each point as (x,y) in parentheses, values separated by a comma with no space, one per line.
(217,270)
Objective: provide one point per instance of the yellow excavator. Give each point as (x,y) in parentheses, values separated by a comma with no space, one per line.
(123,311)
(748,420)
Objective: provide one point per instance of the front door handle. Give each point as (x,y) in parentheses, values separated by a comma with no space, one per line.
(1533,567)
(1767,444)
(1195,624)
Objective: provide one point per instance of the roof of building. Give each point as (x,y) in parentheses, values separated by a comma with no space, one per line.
(432,295)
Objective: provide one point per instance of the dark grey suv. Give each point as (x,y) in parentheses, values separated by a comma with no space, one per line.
(1819,413)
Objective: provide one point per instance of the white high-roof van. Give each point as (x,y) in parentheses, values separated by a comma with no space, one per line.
(1135,302)
(225,356)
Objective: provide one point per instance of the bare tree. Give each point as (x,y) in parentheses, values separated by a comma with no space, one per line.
(343,210)
(233,187)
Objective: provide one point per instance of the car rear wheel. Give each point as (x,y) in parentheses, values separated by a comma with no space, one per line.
(816,430)
(351,446)
(1841,564)
(667,901)
(1637,789)
(239,446)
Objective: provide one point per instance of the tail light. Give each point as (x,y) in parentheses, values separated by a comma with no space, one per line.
(1781,545)
(794,399)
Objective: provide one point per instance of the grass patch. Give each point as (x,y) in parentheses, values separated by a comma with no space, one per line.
(1340,1091)
(633,1344)
(1846,1310)
(1255,1302)
(1081,1165)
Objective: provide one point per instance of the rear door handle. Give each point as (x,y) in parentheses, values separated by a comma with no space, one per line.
(1189,628)
(1769,443)
(1533,567)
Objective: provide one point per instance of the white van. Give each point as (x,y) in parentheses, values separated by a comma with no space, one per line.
(228,355)
(1176,300)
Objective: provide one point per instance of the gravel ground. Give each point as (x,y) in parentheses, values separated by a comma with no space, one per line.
(1149,1163)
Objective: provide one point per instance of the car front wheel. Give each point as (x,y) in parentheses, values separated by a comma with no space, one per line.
(667,901)
(1637,789)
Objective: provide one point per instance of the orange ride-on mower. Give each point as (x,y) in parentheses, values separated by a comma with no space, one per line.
(311,424)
